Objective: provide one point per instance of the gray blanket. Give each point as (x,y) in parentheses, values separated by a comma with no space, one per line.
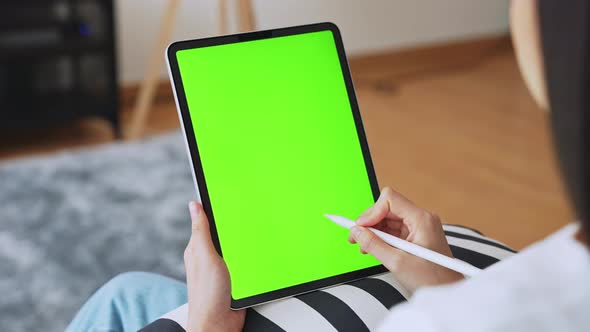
(70,222)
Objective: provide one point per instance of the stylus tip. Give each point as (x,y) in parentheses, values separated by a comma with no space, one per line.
(340,220)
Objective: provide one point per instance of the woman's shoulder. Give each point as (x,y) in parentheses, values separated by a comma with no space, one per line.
(538,287)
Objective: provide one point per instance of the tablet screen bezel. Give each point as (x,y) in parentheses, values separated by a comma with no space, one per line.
(197,169)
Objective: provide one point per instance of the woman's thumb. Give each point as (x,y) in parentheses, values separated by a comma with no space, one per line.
(200,232)
(372,244)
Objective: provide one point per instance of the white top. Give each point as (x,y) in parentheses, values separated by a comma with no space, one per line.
(546,287)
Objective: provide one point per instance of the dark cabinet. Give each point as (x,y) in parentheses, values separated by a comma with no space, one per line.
(57,62)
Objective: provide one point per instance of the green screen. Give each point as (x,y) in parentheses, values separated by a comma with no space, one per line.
(279,149)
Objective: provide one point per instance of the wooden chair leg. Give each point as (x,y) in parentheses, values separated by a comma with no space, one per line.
(146,92)
(222,18)
(246,20)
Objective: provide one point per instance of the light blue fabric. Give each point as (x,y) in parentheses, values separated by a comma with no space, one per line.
(128,302)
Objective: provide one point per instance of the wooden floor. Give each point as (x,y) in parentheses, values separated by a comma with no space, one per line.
(452,127)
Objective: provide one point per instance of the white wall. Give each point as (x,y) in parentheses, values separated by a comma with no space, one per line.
(367,25)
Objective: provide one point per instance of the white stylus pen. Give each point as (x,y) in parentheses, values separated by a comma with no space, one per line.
(414,249)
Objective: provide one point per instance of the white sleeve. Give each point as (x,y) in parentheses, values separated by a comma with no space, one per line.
(406,318)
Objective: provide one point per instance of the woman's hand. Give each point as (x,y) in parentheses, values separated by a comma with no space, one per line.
(209,288)
(398,216)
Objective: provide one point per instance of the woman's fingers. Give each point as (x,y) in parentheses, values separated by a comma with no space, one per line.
(373,245)
(389,226)
(375,213)
(390,204)
(207,277)
(399,205)
(200,240)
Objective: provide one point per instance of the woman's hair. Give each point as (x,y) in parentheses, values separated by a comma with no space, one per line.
(565,35)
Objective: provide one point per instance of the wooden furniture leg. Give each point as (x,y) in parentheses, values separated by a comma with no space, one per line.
(246,20)
(147,89)
(145,96)
(222,19)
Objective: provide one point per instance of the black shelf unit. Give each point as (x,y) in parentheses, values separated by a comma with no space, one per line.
(57,63)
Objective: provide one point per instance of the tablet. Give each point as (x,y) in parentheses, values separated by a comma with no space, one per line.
(276,141)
